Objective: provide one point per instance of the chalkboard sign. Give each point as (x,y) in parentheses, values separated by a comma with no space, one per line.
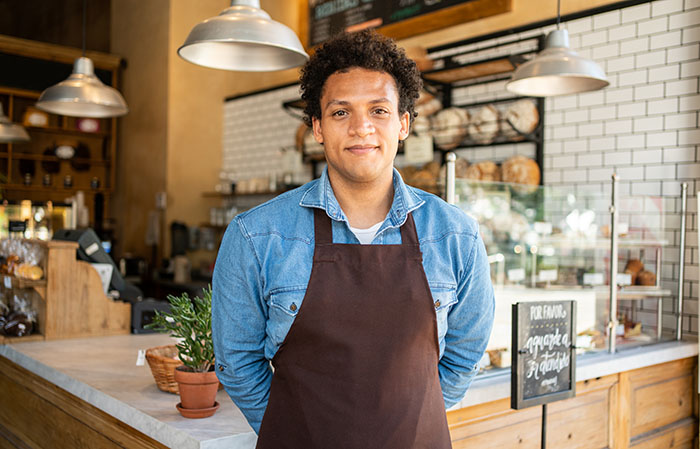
(544,357)
(329,17)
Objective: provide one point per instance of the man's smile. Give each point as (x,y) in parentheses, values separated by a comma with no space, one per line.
(362,149)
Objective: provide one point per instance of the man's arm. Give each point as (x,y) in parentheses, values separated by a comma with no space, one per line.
(239,315)
(468,326)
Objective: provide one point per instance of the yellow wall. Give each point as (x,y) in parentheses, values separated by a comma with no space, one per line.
(139,33)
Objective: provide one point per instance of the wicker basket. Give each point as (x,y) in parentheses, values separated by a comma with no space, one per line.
(163,361)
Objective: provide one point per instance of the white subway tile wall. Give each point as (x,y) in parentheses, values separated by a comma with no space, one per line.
(257,132)
(644,126)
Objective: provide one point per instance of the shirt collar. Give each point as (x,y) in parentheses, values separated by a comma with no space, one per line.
(321,196)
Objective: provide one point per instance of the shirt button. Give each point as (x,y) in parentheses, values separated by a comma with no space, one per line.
(293,307)
(437,303)
(221,368)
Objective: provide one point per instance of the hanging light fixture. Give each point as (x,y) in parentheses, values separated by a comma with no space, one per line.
(82,94)
(557,70)
(243,37)
(11,132)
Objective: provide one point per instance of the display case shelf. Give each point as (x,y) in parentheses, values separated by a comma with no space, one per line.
(598,243)
(636,292)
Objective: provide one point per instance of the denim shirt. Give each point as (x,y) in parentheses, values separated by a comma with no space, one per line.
(264,266)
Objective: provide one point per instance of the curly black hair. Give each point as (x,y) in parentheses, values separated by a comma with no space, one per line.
(365,49)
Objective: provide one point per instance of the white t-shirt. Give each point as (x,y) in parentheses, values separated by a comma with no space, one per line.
(365,236)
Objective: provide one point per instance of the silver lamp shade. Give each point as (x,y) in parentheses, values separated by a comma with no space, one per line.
(243,37)
(11,132)
(82,94)
(557,70)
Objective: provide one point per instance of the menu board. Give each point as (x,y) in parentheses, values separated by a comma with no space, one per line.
(544,356)
(329,17)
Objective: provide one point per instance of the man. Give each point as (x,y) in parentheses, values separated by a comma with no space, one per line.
(369,342)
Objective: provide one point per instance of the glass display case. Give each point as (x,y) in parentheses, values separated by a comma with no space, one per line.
(556,243)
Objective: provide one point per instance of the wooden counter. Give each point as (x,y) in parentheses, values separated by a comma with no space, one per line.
(89,393)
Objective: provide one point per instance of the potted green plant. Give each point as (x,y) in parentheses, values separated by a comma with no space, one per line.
(189,321)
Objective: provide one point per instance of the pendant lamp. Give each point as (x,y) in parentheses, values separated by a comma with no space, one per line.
(557,70)
(82,94)
(243,37)
(11,132)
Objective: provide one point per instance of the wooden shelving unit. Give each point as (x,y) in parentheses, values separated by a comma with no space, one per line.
(19,93)
(72,303)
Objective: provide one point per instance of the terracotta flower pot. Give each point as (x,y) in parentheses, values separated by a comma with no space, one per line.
(197,392)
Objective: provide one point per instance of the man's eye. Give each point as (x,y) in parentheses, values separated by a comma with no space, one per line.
(381,111)
(339,113)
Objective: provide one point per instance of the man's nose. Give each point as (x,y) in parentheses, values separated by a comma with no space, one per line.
(361,125)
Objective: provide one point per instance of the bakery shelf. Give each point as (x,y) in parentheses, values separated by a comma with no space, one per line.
(17,282)
(37,188)
(41,157)
(67,132)
(295,108)
(454,72)
(460,67)
(6,339)
(636,292)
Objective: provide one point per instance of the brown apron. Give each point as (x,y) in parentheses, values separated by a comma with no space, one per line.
(359,366)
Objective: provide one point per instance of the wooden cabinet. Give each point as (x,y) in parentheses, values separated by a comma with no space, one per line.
(649,407)
(34,413)
(71,302)
(32,67)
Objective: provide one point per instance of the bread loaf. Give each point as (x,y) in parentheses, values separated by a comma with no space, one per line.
(421,125)
(484,171)
(633,268)
(521,170)
(646,278)
(523,116)
(449,127)
(483,126)
(461,166)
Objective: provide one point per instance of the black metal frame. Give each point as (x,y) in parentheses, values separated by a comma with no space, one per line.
(517,399)
(445,90)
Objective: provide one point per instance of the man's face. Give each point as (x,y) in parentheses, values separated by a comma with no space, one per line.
(360,125)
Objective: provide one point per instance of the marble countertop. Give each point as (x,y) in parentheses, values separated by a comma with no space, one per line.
(103,372)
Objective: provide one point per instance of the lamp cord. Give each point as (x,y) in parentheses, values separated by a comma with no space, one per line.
(84,14)
(558,13)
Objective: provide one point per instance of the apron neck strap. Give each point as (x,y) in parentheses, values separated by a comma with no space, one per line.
(324,231)
(322,227)
(409,236)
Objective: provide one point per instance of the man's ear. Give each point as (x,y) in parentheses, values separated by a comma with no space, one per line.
(318,134)
(405,121)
